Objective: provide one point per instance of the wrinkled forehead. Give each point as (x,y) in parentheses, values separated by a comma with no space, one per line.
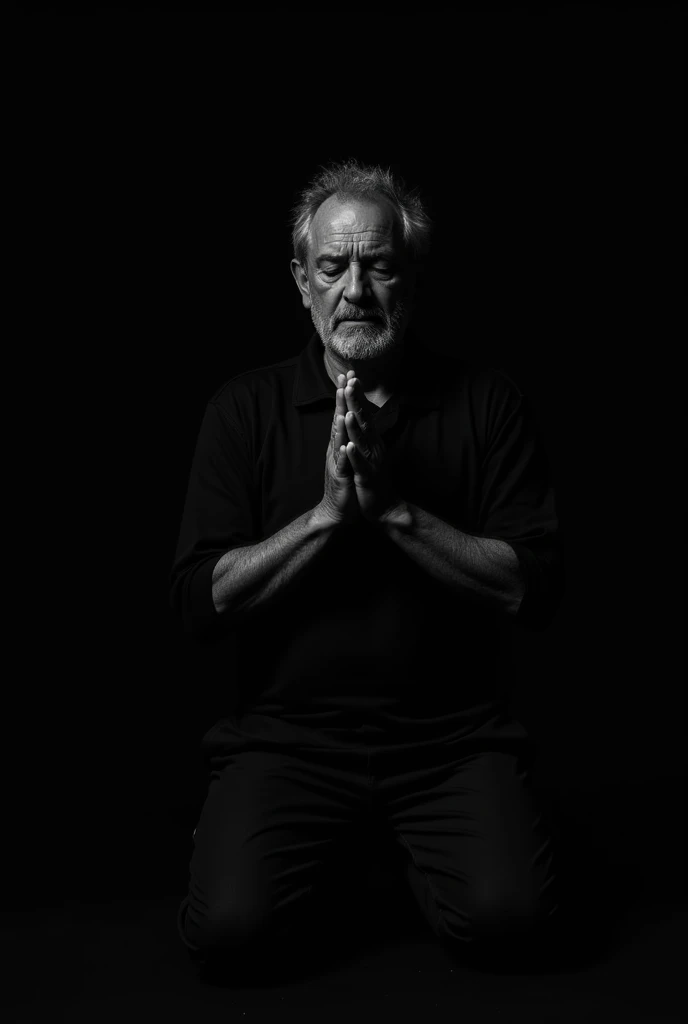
(340,222)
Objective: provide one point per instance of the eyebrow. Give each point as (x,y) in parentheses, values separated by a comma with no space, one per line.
(384,254)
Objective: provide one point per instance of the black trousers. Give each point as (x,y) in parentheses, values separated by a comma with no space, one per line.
(474,845)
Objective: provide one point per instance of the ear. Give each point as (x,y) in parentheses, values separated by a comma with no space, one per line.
(302,283)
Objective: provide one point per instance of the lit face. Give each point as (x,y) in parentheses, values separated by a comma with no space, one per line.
(359,285)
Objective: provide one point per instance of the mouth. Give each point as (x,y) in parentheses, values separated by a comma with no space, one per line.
(362,320)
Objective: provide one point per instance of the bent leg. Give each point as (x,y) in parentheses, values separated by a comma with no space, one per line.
(269,825)
(480,861)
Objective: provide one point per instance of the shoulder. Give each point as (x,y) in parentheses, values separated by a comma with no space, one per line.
(242,403)
(252,380)
(459,376)
(254,388)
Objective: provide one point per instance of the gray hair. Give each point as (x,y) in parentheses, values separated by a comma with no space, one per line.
(351,180)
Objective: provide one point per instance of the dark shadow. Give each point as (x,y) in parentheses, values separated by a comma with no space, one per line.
(303,952)
(364,903)
(596,894)
(346,917)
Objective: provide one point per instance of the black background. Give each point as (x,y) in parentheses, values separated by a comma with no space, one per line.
(157,155)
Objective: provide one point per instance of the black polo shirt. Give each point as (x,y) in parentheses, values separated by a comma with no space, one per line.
(366,642)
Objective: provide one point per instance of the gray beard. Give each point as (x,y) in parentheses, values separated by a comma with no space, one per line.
(365,341)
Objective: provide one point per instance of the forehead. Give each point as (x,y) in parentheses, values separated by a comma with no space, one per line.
(343,221)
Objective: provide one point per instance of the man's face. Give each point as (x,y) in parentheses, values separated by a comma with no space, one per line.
(359,284)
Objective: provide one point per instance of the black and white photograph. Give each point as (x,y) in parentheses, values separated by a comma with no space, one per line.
(345,673)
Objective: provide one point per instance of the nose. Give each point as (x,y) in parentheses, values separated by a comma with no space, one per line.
(355,286)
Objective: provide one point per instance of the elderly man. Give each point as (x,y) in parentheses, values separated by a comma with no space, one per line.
(367,602)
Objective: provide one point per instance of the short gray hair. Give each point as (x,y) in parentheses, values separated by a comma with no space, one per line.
(351,180)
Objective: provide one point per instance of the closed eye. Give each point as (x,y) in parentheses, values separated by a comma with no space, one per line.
(378,270)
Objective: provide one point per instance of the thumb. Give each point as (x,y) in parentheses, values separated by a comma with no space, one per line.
(343,464)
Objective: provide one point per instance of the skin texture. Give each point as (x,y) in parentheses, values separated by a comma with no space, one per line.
(360,286)
(362,360)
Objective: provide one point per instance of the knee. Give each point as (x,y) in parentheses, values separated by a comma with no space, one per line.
(499,916)
(496,922)
(232,924)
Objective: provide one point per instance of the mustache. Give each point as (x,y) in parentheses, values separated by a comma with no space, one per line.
(372,315)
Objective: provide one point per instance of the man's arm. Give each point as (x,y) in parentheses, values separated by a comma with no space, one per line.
(483,570)
(220,574)
(251,576)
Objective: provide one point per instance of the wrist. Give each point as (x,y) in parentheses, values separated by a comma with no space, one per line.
(399,516)
(322,520)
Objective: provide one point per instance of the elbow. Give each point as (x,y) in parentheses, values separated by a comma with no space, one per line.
(515,600)
(219,605)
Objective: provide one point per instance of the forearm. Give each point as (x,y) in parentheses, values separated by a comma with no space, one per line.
(250,577)
(483,570)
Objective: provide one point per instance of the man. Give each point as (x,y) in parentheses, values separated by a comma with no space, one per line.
(369,603)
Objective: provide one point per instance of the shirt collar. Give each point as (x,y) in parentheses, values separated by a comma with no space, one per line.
(418,387)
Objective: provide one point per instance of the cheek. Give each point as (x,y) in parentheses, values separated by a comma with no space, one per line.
(405,291)
(324,295)
(388,295)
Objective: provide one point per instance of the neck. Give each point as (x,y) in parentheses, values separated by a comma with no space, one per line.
(378,377)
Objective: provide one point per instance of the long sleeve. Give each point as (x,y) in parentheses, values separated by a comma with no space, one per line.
(518,503)
(218,515)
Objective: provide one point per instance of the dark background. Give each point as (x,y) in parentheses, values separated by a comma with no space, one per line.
(158,154)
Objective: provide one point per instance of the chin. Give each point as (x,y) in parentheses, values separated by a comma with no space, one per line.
(361,344)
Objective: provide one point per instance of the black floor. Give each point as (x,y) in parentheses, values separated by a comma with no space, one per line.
(100,958)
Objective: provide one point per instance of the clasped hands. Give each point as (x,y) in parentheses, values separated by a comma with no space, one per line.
(366,451)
